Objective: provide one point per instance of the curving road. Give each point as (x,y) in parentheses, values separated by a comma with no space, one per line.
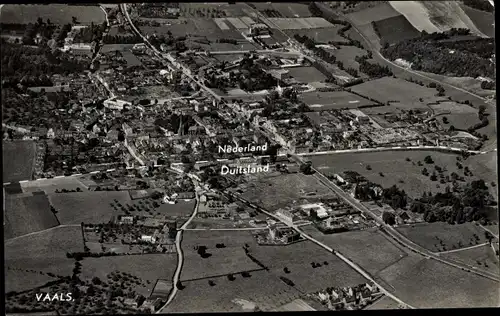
(180,254)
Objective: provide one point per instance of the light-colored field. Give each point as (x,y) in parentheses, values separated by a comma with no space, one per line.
(262,288)
(306,74)
(368,248)
(429,235)
(376,13)
(482,257)
(162,288)
(453,107)
(44,252)
(300,23)
(383,303)
(484,21)
(237,9)
(425,283)
(393,89)
(394,167)
(231,259)
(49,186)
(18,160)
(237,23)
(57,13)
(273,192)
(321,101)
(88,207)
(435,16)
(115,47)
(295,306)
(27,214)
(292,10)
(148,268)
(297,258)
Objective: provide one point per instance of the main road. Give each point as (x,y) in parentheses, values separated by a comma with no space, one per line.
(391,231)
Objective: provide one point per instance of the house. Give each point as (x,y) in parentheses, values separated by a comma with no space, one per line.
(126,219)
(153,305)
(184,196)
(148,238)
(286,215)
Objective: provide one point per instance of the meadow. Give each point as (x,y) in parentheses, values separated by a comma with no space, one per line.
(18,160)
(57,13)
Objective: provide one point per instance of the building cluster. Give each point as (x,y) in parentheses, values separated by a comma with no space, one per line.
(348,298)
(278,236)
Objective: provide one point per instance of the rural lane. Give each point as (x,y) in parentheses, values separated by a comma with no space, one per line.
(180,254)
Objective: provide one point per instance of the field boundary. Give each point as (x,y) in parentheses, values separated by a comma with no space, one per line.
(225,274)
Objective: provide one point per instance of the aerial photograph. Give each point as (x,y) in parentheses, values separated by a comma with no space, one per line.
(200,157)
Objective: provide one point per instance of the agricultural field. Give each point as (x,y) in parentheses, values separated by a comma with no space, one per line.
(406,175)
(195,27)
(320,35)
(147,268)
(368,248)
(482,257)
(181,208)
(378,12)
(425,283)
(407,94)
(274,190)
(384,302)
(57,13)
(395,29)
(297,257)
(231,10)
(222,261)
(162,288)
(20,280)
(89,207)
(440,236)
(323,101)
(482,20)
(43,252)
(262,288)
(306,74)
(27,214)
(18,160)
(49,186)
(300,23)
(285,9)
(453,107)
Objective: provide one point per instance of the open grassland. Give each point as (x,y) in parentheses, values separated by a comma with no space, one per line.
(18,160)
(406,175)
(300,23)
(292,10)
(147,268)
(206,28)
(346,55)
(395,29)
(320,35)
(425,283)
(297,258)
(20,280)
(482,20)
(261,288)
(49,186)
(27,214)
(384,302)
(231,10)
(278,190)
(45,252)
(407,94)
(368,248)
(452,107)
(376,13)
(181,208)
(89,207)
(441,236)
(57,13)
(306,74)
(483,257)
(323,101)
(231,259)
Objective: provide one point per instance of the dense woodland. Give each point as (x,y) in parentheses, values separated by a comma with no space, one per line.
(436,54)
